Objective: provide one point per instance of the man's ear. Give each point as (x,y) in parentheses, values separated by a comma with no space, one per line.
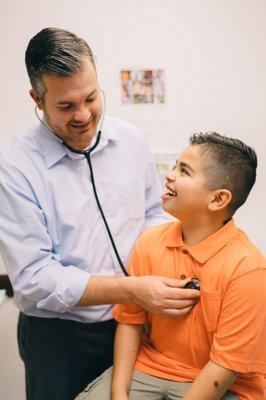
(220,199)
(36,99)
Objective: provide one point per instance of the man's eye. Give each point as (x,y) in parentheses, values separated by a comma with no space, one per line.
(90,100)
(66,107)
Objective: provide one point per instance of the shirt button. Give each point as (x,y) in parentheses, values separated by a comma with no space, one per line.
(183,276)
(185,251)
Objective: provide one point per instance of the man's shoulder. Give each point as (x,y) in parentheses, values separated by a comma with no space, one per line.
(121,127)
(21,143)
(19,154)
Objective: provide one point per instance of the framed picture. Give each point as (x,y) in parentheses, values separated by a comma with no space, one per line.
(142,86)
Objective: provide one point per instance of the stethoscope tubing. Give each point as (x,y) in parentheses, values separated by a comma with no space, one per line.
(87,154)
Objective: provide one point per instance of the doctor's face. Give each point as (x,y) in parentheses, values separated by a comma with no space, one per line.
(72,105)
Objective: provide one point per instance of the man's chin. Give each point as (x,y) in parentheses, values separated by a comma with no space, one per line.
(79,141)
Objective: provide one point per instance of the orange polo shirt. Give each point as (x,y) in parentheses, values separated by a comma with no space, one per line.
(227,326)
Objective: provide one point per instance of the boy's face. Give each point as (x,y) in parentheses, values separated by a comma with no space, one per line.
(186,194)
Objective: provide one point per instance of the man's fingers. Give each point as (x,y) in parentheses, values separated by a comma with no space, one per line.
(157,294)
(181,293)
(177,304)
(176,283)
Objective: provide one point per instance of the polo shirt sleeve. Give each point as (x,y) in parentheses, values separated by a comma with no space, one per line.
(131,313)
(240,341)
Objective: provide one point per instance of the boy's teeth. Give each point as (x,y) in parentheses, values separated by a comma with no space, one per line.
(170,192)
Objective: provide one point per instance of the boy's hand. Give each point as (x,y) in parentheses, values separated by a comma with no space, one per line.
(166,296)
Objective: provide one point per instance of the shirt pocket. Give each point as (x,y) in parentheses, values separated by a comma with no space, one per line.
(209,309)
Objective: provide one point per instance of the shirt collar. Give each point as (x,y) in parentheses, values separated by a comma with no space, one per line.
(206,249)
(54,150)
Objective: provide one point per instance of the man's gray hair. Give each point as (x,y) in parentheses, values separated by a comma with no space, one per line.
(55,51)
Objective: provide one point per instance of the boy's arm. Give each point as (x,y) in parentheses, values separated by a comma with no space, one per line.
(211,383)
(127,341)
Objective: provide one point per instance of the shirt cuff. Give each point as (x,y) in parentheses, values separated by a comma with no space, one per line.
(237,365)
(67,292)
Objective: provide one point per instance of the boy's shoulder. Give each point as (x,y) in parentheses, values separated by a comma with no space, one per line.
(248,251)
(238,256)
(161,234)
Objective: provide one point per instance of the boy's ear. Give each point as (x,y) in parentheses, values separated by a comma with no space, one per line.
(220,199)
(36,99)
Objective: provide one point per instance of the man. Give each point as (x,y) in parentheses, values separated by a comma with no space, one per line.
(54,243)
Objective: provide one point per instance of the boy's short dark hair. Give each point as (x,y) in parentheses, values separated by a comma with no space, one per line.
(57,52)
(230,165)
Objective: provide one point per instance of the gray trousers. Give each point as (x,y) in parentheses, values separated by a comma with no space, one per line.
(143,387)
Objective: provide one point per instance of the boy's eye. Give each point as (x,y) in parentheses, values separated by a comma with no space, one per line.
(183,171)
(90,100)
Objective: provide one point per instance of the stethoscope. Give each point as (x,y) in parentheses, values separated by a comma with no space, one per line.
(87,154)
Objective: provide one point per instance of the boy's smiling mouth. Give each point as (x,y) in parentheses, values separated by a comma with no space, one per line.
(168,192)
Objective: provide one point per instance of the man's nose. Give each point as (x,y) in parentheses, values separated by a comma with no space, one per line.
(82,114)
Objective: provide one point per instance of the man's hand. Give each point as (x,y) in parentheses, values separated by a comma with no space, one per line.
(156,294)
(166,296)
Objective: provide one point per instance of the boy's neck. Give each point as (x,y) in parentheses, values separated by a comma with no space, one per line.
(194,232)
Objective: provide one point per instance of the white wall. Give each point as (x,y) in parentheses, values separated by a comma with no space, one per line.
(213,53)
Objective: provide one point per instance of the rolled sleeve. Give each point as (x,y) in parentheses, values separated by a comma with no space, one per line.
(70,285)
(27,251)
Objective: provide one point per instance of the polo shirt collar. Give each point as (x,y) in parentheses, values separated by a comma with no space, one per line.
(206,249)
(53,149)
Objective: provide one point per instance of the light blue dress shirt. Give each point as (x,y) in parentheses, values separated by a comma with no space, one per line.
(52,235)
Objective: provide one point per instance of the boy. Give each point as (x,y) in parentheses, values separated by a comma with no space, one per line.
(218,351)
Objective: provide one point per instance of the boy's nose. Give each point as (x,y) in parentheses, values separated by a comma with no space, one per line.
(170,176)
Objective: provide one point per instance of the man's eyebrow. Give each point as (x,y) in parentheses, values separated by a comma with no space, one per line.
(185,165)
(89,95)
(70,102)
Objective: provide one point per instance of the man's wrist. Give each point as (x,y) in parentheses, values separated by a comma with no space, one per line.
(129,284)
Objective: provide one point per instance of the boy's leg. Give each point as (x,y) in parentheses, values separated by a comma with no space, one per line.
(147,387)
(143,387)
(177,390)
(62,356)
(99,389)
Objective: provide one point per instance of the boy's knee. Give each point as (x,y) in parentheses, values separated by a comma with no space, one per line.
(99,389)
